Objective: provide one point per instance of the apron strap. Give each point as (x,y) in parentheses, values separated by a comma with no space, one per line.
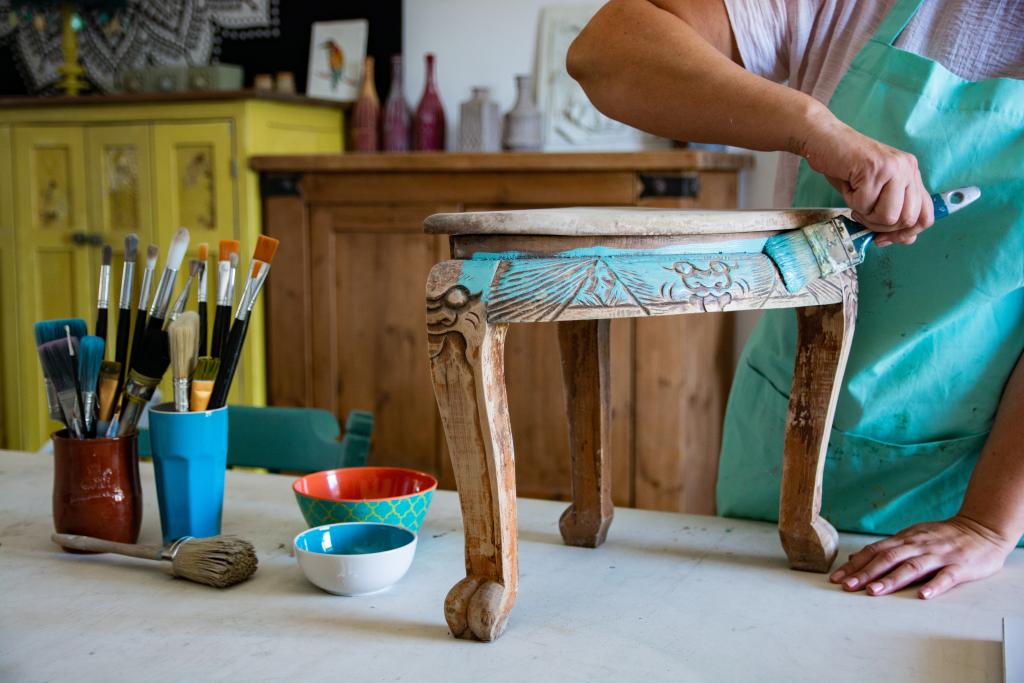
(897,19)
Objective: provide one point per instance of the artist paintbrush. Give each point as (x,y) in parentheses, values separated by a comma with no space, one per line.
(72,346)
(823,249)
(90,356)
(47,331)
(59,367)
(225,294)
(182,335)
(232,351)
(203,378)
(103,297)
(152,251)
(107,388)
(154,356)
(204,258)
(194,267)
(124,302)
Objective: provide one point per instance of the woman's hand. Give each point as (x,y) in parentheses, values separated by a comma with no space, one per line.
(955,551)
(880,183)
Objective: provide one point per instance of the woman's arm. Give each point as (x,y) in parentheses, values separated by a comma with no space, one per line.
(671,67)
(973,544)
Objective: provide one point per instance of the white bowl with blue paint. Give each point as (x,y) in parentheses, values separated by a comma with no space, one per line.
(355,558)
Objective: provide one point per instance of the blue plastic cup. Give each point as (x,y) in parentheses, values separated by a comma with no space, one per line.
(190,455)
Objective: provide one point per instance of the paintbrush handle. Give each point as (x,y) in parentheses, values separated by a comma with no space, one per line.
(221,321)
(101,323)
(202,328)
(124,331)
(137,335)
(232,352)
(98,545)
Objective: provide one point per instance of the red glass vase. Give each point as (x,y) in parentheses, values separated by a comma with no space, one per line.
(395,123)
(428,130)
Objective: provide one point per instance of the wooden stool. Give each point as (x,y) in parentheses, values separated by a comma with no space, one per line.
(579,268)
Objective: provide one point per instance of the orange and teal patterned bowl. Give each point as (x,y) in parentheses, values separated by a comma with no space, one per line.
(387,495)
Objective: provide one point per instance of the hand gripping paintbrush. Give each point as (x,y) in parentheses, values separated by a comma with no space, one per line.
(232,351)
(103,296)
(154,356)
(204,258)
(225,294)
(838,244)
(124,303)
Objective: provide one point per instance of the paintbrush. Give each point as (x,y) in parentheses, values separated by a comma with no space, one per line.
(194,266)
(154,356)
(72,346)
(108,384)
(60,368)
(225,294)
(103,297)
(50,330)
(203,378)
(232,351)
(152,251)
(90,356)
(204,257)
(182,333)
(838,244)
(124,301)
(218,561)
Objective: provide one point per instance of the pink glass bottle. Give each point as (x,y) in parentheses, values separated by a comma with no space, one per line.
(395,126)
(366,114)
(428,129)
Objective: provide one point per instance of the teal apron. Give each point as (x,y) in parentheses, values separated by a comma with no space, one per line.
(940,324)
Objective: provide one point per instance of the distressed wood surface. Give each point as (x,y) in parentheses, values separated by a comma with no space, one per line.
(469,382)
(595,286)
(623,220)
(823,344)
(584,347)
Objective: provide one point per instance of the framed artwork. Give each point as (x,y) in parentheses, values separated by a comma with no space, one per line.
(571,122)
(336,53)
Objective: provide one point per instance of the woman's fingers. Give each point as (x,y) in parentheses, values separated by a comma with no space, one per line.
(862,557)
(949,577)
(882,563)
(913,569)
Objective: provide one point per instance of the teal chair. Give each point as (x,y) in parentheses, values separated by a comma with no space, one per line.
(292,439)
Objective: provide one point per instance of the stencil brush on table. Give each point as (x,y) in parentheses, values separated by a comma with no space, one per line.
(232,351)
(823,249)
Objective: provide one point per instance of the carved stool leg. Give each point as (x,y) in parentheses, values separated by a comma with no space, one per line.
(466,359)
(584,349)
(823,344)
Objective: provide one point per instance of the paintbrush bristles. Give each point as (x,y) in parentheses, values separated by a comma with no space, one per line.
(794,258)
(266,247)
(48,330)
(108,254)
(183,336)
(176,253)
(204,252)
(228,247)
(206,369)
(90,357)
(152,252)
(131,247)
(218,561)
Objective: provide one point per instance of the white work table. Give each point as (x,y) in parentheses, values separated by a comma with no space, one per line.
(668,597)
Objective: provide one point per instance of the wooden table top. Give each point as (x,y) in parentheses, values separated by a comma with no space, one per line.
(668,597)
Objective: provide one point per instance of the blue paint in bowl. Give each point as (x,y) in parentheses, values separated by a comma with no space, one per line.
(354,538)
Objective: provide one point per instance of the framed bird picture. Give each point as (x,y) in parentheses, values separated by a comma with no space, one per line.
(336,52)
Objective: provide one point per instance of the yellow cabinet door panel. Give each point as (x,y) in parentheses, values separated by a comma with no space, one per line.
(196,188)
(54,271)
(10,381)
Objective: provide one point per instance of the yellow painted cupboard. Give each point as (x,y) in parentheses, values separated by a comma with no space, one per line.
(77,173)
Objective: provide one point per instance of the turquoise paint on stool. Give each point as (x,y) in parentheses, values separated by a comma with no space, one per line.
(190,453)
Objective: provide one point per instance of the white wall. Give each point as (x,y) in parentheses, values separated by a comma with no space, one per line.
(488,42)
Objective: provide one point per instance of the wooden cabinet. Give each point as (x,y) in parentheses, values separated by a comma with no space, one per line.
(90,170)
(346,325)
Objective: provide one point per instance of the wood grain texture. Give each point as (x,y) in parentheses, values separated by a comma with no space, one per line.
(623,220)
(469,382)
(685,364)
(433,162)
(823,344)
(584,347)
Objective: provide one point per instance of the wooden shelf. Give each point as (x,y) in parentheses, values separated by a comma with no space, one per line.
(675,159)
(164,97)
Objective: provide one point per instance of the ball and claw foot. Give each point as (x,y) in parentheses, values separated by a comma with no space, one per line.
(811,549)
(478,608)
(589,532)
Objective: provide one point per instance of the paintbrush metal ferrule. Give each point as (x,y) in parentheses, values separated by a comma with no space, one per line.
(180,386)
(231,285)
(144,287)
(223,274)
(69,405)
(201,293)
(124,301)
(89,406)
(162,298)
(179,303)
(253,285)
(53,409)
(137,392)
(103,296)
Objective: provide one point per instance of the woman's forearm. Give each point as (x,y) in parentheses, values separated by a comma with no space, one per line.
(995,495)
(642,63)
